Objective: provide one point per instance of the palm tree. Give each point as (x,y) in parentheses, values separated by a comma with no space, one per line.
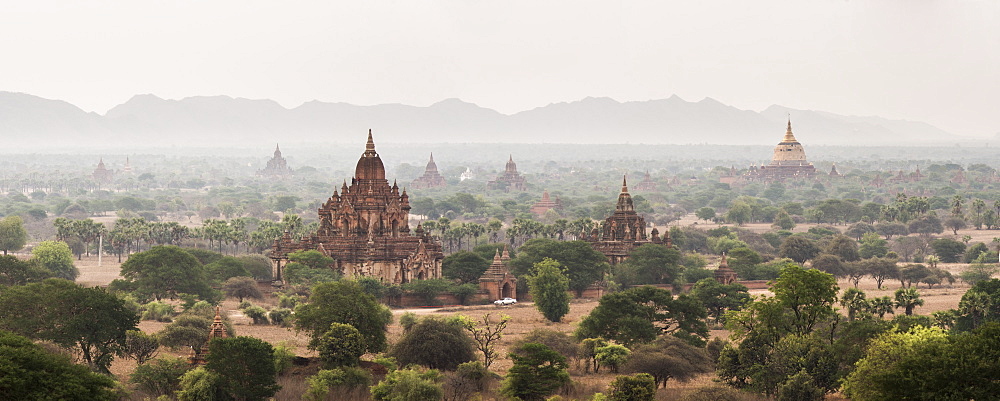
(908,298)
(494,226)
(854,300)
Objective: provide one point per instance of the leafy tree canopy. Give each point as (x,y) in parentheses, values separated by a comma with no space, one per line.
(344,302)
(583,264)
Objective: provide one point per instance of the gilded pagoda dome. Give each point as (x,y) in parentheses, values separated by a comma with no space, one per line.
(370,165)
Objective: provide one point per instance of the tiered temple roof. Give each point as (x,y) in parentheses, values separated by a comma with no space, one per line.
(217,330)
(431,178)
(497,280)
(723,274)
(365,228)
(510,180)
(101,174)
(276,167)
(546,204)
(623,231)
(647,183)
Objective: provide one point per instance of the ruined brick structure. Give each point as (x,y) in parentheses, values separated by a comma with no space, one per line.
(431,178)
(510,180)
(365,229)
(217,330)
(624,231)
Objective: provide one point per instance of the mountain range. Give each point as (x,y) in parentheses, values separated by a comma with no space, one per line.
(29,121)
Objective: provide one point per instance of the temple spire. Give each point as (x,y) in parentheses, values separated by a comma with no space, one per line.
(370,146)
(624,183)
(789,137)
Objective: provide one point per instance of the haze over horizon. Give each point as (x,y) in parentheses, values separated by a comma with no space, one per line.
(932,61)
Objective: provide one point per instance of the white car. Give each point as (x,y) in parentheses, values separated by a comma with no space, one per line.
(505,301)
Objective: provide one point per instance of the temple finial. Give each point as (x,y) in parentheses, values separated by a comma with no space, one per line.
(624,183)
(432,156)
(370,146)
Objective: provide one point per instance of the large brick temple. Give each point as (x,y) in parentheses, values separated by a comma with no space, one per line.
(365,229)
(624,231)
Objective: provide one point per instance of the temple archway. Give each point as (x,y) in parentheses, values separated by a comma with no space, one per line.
(506,291)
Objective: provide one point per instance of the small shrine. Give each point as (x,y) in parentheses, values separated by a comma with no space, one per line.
(546,204)
(723,274)
(497,280)
(276,167)
(623,231)
(217,330)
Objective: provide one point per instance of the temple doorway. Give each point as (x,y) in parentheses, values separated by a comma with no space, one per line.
(505,291)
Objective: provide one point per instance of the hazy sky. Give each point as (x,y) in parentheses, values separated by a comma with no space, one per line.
(933,61)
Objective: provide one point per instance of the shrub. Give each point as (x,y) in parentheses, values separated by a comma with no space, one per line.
(538,371)
(280,316)
(161,376)
(345,377)
(158,311)
(283,356)
(434,343)
(342,345)
(409,384)
(258,314)
(639,387)
(244,304)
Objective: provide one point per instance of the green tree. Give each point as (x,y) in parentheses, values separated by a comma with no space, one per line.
(241,287)
(798,248)
(344,378)
(245,367)
(872,246)
(844,247)
(162,376)
(344,302)
(538,371)
(14,271)
(638,387)
(409,385)
(226,268)
(978,271)
(706,213)
(651,264)
(948,250)
(927,364)
(312,258)
(808,293)
(13,236)
(641,314)
(973,253)
(669,358)
(739,213)
(465,266)
(200,384)
(341,345)
(89,320)
(908,298)
(880,269)
(783,221)
(434,343)
(548,286)
(56,257)
(611,355)
(583,264)
(165,271)
(140,346)
(429,289)
(30,372)
(720,298)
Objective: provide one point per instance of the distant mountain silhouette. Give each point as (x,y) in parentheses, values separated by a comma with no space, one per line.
(147,120)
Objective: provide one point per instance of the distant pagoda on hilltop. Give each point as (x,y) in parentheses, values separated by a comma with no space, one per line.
(431,178)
